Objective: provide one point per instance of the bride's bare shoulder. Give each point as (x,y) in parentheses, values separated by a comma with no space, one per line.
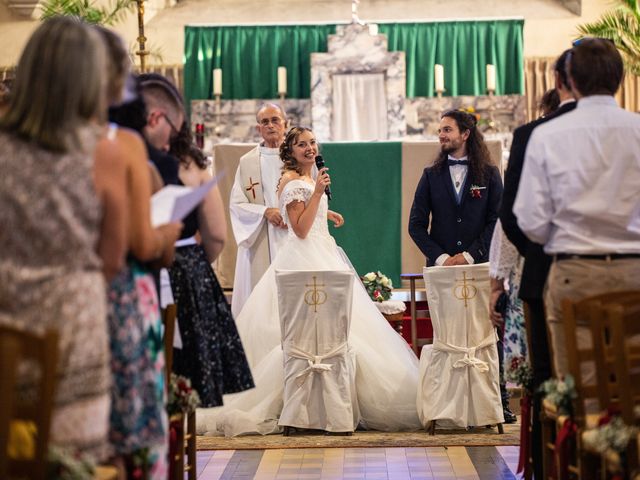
(286,177)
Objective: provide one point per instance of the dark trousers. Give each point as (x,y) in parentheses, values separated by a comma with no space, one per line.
(504,395)
(540,359)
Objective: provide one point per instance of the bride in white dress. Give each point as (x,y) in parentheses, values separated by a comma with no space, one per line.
(386,368)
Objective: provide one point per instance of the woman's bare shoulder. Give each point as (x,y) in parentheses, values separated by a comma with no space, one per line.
(286,177)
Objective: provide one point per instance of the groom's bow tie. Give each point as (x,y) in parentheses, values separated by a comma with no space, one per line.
(451,162)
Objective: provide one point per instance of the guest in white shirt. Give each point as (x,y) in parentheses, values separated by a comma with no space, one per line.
(580,185)
(257,224)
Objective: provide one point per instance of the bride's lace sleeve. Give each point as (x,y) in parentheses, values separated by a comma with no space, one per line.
(293,194)
(503,255)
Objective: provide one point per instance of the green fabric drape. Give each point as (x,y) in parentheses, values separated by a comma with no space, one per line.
(250,55)
(370,203)
(463,49)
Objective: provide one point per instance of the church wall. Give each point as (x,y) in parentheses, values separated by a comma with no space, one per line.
(548,29)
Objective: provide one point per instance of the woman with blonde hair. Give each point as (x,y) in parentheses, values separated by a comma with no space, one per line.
(62,216)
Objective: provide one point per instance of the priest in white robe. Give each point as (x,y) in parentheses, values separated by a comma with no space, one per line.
(257,224)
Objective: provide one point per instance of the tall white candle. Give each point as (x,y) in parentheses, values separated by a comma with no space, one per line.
(491,77)
(282,80)
(217,81)
(439,73)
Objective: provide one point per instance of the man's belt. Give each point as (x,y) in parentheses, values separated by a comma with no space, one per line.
(610,256)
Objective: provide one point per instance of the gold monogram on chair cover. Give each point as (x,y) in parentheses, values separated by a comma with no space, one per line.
(319,367)
(459,373)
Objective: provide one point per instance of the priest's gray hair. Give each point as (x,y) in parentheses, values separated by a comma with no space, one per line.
(273,105)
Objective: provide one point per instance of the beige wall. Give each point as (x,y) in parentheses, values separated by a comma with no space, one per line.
(549,27)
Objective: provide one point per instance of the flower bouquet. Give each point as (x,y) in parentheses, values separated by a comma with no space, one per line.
(183,398)
(520,373)
(378,286)
(561,393)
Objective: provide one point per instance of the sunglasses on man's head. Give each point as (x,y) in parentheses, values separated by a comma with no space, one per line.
(578,41)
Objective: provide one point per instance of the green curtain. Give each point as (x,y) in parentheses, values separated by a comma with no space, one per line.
(463,49)
(250,55)
(371,203)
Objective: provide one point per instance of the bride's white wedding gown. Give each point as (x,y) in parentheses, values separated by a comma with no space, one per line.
(386,368)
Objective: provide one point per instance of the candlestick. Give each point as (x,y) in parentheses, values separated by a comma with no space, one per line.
(217,81)
(439,77)
(491,77)
(282,80)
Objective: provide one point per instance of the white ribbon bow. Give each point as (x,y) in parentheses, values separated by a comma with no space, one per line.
(314,361)
(469,359)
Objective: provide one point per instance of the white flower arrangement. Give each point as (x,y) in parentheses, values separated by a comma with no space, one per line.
(561,393)
(613,435)
(378,286)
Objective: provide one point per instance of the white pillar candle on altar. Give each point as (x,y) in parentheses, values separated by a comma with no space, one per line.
(491,77)
(439,73)
(282,80)
(217,81)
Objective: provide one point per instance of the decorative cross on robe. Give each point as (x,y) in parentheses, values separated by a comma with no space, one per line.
(251,187)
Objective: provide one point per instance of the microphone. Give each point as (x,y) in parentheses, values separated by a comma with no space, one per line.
(320,164)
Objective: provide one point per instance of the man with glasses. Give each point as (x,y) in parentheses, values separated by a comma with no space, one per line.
(165,116)
(580,186)
(257,224)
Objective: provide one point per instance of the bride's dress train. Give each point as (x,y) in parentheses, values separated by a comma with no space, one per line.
(386,368)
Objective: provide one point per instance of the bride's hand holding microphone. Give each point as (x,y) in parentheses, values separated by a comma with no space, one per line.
(322,182)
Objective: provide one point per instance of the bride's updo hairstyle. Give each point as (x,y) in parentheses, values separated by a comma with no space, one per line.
(286,149)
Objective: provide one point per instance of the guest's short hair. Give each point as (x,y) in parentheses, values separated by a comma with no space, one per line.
(159,92)
(560,67)
(595,66)
(60,85)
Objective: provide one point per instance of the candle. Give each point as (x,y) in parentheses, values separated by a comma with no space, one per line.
(282,80)
(439,72)
(491,77)
(217,81)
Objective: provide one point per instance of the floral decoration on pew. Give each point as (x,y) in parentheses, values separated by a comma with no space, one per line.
(183,398)
(561,393)
(521,373)
(378,286)
(611,439)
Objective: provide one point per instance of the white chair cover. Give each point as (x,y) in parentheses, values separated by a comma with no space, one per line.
(319,367)
(459,373)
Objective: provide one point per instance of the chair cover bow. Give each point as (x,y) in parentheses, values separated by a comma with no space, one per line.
(315,361)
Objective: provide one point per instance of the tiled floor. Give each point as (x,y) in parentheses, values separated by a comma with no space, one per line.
(484,463)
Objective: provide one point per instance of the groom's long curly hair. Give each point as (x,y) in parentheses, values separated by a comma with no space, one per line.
(286,149)
(477,151)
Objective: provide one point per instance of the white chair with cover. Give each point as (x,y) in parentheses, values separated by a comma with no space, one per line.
(319,367)
(459,373)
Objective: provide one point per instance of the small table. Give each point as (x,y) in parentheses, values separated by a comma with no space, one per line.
(412,277)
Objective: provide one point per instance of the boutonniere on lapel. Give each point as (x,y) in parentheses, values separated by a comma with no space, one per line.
(476,191)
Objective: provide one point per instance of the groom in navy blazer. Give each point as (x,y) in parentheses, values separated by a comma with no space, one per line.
(461,195)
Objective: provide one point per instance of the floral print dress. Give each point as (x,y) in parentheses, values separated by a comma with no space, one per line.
(138,413)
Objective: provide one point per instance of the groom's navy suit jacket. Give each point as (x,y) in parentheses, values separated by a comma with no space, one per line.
(464,227)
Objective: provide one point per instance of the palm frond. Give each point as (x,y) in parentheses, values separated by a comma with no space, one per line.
(87,10)
(622,26)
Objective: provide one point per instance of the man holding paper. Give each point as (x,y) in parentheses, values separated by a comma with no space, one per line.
(257,224)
